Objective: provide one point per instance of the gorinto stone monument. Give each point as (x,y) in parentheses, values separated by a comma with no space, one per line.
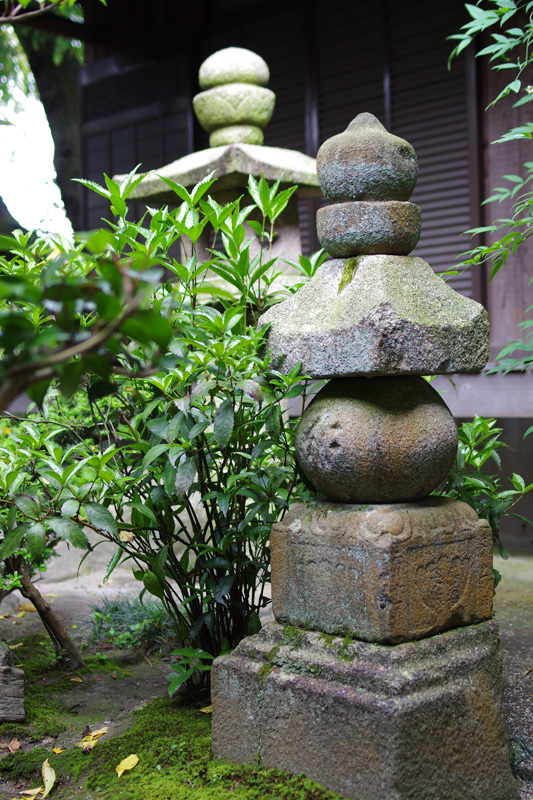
(381,677)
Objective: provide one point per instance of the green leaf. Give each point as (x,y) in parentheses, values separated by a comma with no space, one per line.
(112,564)
(223,588)
(13,540)
(185,475)
(154,453)
(146,325)
(35,541)
(28,505)
(224,419)
(68,530)
(152,585)
(99,516)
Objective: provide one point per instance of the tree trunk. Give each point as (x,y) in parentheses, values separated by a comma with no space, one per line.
(64,646)
(58,91)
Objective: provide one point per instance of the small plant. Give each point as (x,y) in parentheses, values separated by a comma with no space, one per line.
(521,753)
(469,481)
(125,622)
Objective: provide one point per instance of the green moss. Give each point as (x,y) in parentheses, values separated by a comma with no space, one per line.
(268,666)
(350,268)
(173,746)
(341,650)
(292,637)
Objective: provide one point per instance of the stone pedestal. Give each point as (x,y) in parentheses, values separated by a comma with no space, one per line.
(382,573)
(418,721)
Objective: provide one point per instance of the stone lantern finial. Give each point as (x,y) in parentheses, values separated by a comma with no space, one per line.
(235,105)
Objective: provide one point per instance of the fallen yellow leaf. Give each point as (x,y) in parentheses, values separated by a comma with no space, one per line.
(5,616)
(74,627)
(77,680)
(89,741)
(58,750)
(207,710)
(49,777)
(33,792)
(25,607)
(19,615)
(15,646)
(50,595)
(127,763)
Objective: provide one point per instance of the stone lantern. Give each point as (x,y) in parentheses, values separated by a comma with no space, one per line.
(234,107)
(381,677)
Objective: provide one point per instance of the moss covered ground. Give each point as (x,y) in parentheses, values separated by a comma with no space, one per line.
(171,738)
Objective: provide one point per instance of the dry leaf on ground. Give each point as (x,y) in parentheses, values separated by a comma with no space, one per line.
(77,680)
(207,710)
(127,763)
(90,739)
(58,750)
(33,792)
(49,777)
(15,646)
(25,607)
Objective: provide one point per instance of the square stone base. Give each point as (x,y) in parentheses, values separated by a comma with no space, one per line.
(416,721)
(384,573)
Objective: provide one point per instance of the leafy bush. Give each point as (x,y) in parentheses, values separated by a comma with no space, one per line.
(189,462)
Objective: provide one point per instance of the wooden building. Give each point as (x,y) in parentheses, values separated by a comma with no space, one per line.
(329,60)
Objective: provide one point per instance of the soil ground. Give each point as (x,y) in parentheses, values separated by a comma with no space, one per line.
(104,700)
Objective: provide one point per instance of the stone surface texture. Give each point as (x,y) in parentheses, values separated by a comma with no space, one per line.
(233,65)
(376,440)
(362,228)
(418,721)
(11,687)
(366,162)
(377,315)
(384,573)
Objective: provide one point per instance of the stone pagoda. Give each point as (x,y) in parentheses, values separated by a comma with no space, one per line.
(381,677)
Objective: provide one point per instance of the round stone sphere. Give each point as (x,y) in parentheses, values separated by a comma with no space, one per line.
(233,65)
(376,440)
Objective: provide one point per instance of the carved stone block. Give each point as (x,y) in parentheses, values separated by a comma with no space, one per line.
(418,720)
(382,573)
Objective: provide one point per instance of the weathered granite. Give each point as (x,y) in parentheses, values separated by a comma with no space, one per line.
(417,721)
(377,315)
(376,440)
(232,165)
(233,64)
(11,687)
(361,228)
(385,573)
(366,162)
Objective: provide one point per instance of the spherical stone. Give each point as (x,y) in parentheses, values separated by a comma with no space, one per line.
(231,65)
(366,162)
(234,104)
(376,440)
(362,228)
(236,134)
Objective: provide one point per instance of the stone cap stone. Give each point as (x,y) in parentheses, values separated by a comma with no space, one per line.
(377,315)
(232,164)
